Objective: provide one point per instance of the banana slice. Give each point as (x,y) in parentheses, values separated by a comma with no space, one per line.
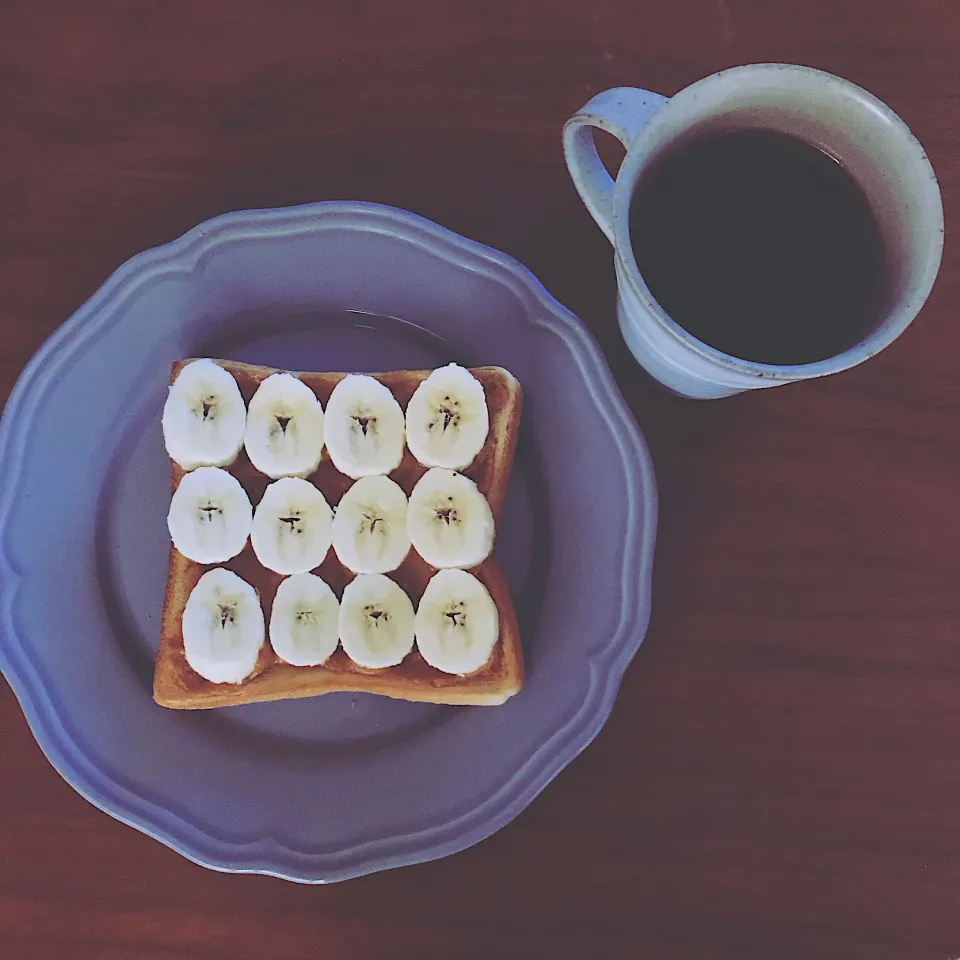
(370,526)
(284,434)
(222,627)
(364,427)
(447,419)
(457,624)
(210,515)
(449,520)
(203,417)
(376,621)
(304,628)
(291,527)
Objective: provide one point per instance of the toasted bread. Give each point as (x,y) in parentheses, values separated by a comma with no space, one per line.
(177,685)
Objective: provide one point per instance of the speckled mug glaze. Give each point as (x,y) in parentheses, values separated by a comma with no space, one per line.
(872,142)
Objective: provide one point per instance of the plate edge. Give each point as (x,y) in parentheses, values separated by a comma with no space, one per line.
(607,664)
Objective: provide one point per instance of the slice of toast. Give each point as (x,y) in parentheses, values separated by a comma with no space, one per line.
(177,685)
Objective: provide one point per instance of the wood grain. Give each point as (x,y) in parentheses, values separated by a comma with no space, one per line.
(781,774)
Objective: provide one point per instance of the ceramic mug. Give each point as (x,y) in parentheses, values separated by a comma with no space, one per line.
(872,143)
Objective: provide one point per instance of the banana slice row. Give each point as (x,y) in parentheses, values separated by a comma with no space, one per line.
(455,626)
(285,429)
(447,520)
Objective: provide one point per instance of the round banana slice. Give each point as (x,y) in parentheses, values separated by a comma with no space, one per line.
(457,624)
(304,628)
(370,526)
(284,434)
(203,417)
(447,419)
(376,621)
(291,527)
(449,520)
(364,427)
(222,627)
(209,517)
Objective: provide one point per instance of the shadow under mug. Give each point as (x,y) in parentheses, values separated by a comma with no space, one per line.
(863,134)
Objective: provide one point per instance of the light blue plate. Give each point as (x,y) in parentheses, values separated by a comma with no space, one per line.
(337,786)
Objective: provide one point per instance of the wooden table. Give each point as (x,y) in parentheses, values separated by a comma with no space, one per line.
(781,775)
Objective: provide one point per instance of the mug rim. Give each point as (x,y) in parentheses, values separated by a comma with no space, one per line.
(880,337)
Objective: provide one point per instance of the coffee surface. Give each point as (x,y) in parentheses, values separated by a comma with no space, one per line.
(760,245)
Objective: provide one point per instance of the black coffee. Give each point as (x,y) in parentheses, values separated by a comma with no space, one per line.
(760,245)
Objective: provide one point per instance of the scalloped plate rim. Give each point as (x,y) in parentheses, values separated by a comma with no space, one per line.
(267,854)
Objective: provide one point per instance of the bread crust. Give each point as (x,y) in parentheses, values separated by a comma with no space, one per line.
(177,686)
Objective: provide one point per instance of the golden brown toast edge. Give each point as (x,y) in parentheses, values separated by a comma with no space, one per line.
(177,686)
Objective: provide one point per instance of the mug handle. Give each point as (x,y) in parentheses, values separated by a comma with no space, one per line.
(621,111)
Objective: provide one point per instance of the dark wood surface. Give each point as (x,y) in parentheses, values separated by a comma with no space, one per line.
(780,777)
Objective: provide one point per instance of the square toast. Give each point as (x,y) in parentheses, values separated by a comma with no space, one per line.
(176,684)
